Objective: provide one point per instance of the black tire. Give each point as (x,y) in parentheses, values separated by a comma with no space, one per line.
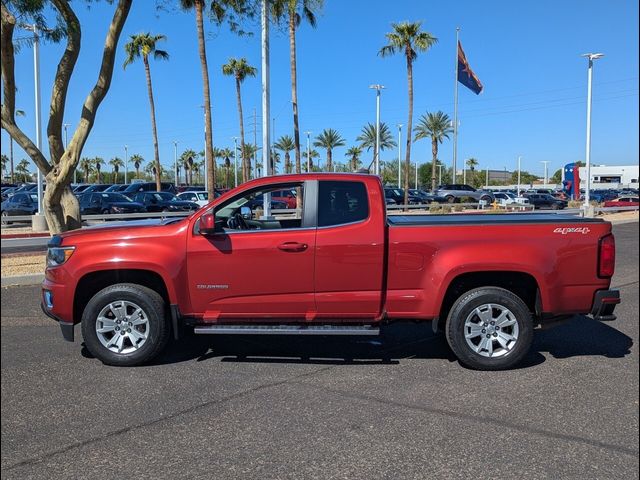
(153,307)
(450,198)
(5,218)
(465,306)
(486,198)
(555,206)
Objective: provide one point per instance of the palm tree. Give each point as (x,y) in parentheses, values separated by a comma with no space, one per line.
(406,38)
(141,46)
(22,169)
(5,161)
(292,12)
(137,161)
(85,164)
(367,138)
(437,127)
(354,154)
(186,158)
(225,155)
(472,163)
(217,12)
(98,162)
(240,69)
(152,170)
(249,151)
(116,163)
(329,139)
(285,143)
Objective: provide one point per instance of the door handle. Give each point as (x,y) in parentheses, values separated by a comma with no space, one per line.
(293,247)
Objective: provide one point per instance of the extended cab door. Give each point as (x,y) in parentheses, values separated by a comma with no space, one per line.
(350,246)
(254,268)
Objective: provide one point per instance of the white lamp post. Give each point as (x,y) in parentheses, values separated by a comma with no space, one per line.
(376,166)
(591,57)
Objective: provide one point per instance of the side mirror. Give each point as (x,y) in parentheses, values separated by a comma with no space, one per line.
(208,224)
(245,212)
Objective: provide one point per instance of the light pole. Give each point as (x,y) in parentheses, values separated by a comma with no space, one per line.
(399,153)
(175,161)
(519,163)
(587,192)
(376,154)
(126,163)
(235,161)
(546,176)
(416,184)
(439,174)
(308,152)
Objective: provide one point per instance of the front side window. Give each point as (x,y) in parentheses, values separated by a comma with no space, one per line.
(246,211)
(341,202)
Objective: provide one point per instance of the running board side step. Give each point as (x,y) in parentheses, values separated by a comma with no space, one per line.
(286,330)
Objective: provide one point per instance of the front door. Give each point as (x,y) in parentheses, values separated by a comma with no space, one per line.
(255,269)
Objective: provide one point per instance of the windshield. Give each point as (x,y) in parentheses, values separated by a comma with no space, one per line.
(114,197)
(165,197)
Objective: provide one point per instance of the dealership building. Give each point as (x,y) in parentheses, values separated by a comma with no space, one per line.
(611,176)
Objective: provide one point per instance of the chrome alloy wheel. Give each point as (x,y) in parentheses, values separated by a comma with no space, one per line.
(491,330)
(122,327)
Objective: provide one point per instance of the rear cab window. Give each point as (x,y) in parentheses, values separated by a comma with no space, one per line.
(341,203)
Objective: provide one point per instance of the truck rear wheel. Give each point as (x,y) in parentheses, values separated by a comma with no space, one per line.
(125,325)
(489,328)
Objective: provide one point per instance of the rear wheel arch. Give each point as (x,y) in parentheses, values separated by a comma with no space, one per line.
(522,284)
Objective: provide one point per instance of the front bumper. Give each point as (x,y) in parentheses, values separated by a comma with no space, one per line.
(604,302)
(66,327)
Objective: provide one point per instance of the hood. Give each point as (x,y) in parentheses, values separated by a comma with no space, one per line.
(128,228)
(134,205)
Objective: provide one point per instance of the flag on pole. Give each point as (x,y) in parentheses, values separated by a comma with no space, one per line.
(465,74)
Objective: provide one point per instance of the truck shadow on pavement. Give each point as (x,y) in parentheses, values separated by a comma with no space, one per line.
(580,336)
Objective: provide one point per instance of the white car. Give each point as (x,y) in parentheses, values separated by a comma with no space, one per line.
(201,198)
(508,198)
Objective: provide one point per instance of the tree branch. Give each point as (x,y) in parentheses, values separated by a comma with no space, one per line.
(62,79)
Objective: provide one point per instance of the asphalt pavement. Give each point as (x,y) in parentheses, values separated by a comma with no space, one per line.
(264,408)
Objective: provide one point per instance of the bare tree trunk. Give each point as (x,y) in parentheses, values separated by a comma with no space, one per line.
(329,160)
(208,136)
(434,153)
(407,160)
(287,163)
(294,86)
(245,160)
(61,207)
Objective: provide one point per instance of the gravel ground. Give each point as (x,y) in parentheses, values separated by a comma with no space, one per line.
(22,265)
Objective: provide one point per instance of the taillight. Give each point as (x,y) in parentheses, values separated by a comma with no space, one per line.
(607,256)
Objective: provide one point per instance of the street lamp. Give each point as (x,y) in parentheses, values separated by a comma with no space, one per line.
(308,152)
(546,176)
(175,162)
(519,163)
(235,161)
(399,152)
(591,57)
(439,174)
(376,154)
(126,163)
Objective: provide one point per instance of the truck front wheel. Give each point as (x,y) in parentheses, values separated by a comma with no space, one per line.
(489,328)
(125,325)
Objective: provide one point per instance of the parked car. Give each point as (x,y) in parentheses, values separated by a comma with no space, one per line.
(96,187)
(426,197)
(623,202)
(108,202)
(164,202)
(397,195)
(288,196)
(544,200)
(199,197)
(508,198)
(134,188)
(222,271)
(80,188)
(19,204)
(258,203)
(457,192)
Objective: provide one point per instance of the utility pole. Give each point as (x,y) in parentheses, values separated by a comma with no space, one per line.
(126,163)
(519,163)
(235,161)
(255,143)
(376,154)
(266,140)
(399,154)
(175,162)
(587,191)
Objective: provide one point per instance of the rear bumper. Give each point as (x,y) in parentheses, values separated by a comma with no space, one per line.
(67,328)
(604,303)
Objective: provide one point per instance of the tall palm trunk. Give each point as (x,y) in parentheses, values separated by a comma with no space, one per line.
(294,85)
(156,153)
(287,163)
(329,160)
(11,157)
(434,153)
(407,161)
(245,160)
(208,136)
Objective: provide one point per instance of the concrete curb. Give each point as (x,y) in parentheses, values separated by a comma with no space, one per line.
(34,279)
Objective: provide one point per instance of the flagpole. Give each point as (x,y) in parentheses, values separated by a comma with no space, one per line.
(455,110)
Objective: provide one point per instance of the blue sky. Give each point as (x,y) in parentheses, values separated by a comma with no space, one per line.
(527,55)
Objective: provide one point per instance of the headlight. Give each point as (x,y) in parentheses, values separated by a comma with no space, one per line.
(56,256)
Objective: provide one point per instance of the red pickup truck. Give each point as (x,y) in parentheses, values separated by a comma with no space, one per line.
(336,265)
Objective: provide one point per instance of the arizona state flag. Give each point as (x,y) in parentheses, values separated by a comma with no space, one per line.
(465,74)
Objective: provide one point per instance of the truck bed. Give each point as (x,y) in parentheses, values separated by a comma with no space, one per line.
(485,219)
